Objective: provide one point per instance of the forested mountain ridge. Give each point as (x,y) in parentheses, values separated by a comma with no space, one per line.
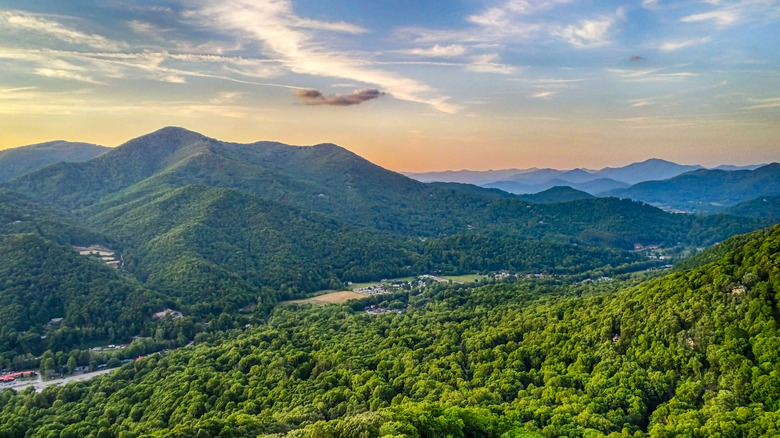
(16,162)
(20,214)
(557,194)
(43,281)
(325,179)
(210,244)
(215,227)
(690,354)
(763,206)
(706,191)
(227,248)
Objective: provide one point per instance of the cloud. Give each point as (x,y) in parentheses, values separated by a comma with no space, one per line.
(671,46)
(226,97)
(315,97)
(330,26)
(145,65)
(721,17)
(589,33)
(26,22)
(544,94)
(651,75)
(502,16)
(489,63)
(649,4)
(64,74)
(274,25)
(146,29)
(637,103)
(437,51)
(772,102)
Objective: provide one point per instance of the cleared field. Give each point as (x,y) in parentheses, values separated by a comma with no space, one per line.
(354,286)
(471,278)
(329,298)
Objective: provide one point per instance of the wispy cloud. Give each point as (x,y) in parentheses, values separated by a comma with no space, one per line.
(767,103)
(489,63)
(589,33)
(638,103)
(544,94)
(102,67)
(146,29)
(503,15)
(651,75)
(315,97)
(516,21)
(226,97)
(64,74)
(330,26)
(437,51)
(26,22)
(722,17)
(649,4)
(278,29)
(671,46)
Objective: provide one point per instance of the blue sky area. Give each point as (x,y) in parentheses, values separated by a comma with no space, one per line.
(410,85)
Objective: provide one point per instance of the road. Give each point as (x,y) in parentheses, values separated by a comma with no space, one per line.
(39,384)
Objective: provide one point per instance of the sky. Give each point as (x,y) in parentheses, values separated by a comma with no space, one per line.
(420,85)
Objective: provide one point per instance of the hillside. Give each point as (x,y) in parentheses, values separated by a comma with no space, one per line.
(19,161)
(42,281)
(323,178)
(690,354)
(216,227)
(19,214)
(763,206)
(329,180)
(223,249)
(557,194)
(705,191)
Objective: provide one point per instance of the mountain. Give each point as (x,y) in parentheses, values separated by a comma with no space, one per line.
(557,194)
(477,177)
(43,281)
(473,189)
(693,353)
(223,249)
(214,226)
(518,188)
(763,206)
(648,170)
(323,178)
(534,180)
(334,182)
(593,187)
(599,186)
(576,176)
(730,167)
(19,161)
(20,215)
(705,191)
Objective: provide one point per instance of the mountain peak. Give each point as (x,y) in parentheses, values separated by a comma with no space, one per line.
(171,133)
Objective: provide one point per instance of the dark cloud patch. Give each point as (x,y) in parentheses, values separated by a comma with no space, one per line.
(636,58)
(308,94)
(315,97)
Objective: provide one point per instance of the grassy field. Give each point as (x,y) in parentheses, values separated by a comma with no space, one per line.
(328,298)
(470,278)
